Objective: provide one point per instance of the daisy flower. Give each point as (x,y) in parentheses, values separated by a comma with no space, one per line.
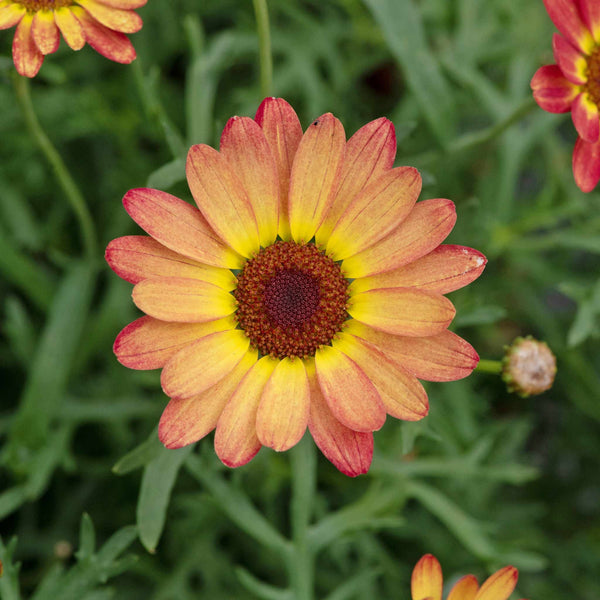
(427,582)
(40,23)
(305,290)
(573,83)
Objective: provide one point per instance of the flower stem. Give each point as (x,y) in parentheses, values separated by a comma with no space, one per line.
(489,366)
(264,45)
(301,563)
(74,196)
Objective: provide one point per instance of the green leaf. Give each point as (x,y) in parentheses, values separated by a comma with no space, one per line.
(261,589)
(140,456)
(168,175)
(351,587)
(482,315)
(9,582)
(87,538)
(157,482)
(586,323)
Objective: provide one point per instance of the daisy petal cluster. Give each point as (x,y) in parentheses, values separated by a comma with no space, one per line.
(427,583)
(40,24)
(305,289)
(573,83)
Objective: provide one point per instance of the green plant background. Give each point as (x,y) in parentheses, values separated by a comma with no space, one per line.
(487,479)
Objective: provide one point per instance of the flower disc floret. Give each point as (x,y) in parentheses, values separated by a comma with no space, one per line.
(291,300)
(592,85)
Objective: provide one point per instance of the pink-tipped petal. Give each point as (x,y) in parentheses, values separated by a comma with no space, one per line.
(402,311)
(571,62)
(464,589)
(125,21)
(179,226)
(148,343)
(499,586)
(590,11)
(350,394)
(552,90)
(125,4)
(585,118)
(203,363)
(401,393)
(369,153)
(186,421)
(11,15)
(442,357)
(283,132)
(424,229)
(566,17)
(70,27)
(236,441)
(443,270)
(283,411)
(45,32)
(586,165)
(138,257)
(375,212)
(349,451)
(222,199)
(427,581)
(26,56)
(315,175)
(245,146)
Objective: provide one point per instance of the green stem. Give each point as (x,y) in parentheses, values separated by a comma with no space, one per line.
(489,366)
(301,563)
(74,196)
(264,45)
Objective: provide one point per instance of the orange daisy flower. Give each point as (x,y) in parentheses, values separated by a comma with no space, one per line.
(305,290)
(573,84)
(427,582)
(101,23)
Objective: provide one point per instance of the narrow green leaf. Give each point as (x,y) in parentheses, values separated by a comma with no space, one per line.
(19,329)
(11,499)
(261,589)
(482,315)
(87,538)
(9,582)
(157,482)
(168,175)
(351,588)
(140,456)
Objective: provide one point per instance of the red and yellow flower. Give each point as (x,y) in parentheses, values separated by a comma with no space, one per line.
(427,583)
(40,23)
(573,84)
(305,290)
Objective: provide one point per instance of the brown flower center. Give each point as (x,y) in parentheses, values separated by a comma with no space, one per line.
(592,85)
(35,5)
(291,300)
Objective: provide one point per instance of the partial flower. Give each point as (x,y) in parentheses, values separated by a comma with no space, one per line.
(427,583)
(573,83)
(40,23)
(305,290)
(528,367)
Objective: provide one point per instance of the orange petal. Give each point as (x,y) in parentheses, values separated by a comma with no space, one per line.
(11,15)
(70,28)
(590,10)
(571,62)
(499,586)
(585,118)
(552,91)
(203,363)
(586,165)
(350,394)
(183,300)
(45,32)
(283,412)
(245,146)
(315,176)
(125,21)
(442,357)
(400,391)
(221,198)
(125,4)
(402,311)
(179,226)
(283,132)
(443,270)
(369,153)
(147,343)
(138,257)
(423,230)
(566,17)
(113,45)
(26,56)
(236,441)
(464,589)
(375,212)
(426,581)
(350,451)
(186,421)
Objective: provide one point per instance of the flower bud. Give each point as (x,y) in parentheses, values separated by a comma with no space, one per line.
(528,367)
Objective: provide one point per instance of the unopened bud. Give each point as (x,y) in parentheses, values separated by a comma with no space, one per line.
(528,367)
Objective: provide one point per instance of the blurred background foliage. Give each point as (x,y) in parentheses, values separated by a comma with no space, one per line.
(486,480)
